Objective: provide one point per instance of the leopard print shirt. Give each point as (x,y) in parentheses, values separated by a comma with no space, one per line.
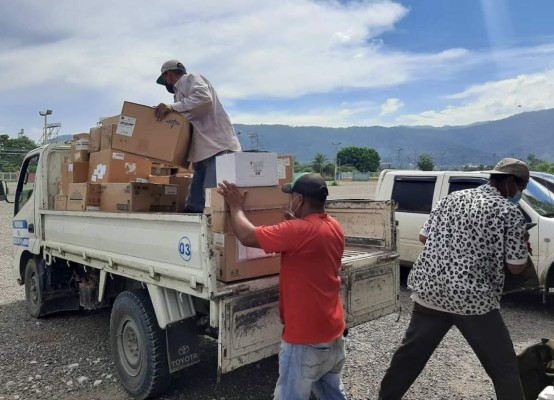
(471,234)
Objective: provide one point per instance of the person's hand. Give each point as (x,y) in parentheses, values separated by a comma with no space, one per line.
(161,111)
(232,195)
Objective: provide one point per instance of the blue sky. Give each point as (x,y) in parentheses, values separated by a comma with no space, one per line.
(294,62)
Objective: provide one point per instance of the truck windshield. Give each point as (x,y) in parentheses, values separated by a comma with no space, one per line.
(539,198)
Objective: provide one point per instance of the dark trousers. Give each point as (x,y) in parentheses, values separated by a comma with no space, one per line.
(486,334)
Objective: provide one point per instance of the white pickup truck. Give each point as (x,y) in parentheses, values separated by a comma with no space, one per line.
(416,192)
(158,272)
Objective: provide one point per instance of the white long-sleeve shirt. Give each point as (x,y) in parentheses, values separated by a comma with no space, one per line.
(198,101)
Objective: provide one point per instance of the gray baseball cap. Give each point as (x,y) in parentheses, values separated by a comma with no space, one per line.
(170,66)
(511,166)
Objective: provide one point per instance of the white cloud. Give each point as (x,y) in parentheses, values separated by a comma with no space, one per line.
(391,106)
(491,101)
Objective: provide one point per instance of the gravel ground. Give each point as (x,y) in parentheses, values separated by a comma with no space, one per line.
(67,356)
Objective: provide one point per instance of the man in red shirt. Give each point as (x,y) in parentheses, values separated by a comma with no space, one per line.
(311,244)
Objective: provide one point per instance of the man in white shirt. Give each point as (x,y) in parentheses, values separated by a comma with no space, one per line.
(213,133)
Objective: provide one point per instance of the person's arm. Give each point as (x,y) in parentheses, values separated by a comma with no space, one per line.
(198,99)
(243,228)
(514,243)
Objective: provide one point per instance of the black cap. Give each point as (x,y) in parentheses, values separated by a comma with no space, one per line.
(309,185)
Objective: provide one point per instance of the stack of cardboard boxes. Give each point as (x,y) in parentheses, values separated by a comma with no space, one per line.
(133,163)
(130,163)
(265,204)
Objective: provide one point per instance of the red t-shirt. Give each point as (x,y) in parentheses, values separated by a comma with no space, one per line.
(311,250)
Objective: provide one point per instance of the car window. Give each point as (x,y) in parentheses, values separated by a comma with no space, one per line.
(414,194)
(539,198)
(461,183)
(26,183)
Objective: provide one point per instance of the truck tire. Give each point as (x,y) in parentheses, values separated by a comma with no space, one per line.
(33,289)
(138,345)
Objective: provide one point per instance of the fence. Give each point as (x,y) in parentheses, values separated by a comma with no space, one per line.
(9,176)
(356,176)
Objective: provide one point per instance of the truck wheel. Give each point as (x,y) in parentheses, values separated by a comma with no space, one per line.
(138,345)
(33,289)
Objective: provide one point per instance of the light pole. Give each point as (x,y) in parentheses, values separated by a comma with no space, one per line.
(336,157)
(45,114)
(398,150)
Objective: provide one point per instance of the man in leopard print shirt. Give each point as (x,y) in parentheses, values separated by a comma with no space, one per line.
(472,239)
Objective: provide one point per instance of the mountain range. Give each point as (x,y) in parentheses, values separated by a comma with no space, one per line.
(450,146)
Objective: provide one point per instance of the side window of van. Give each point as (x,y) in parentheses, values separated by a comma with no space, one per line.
(461,183)
(414,193)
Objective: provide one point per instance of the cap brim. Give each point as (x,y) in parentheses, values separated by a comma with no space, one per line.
(161,80)
(287,188)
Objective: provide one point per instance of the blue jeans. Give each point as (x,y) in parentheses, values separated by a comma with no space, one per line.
(317,367)
(204,177)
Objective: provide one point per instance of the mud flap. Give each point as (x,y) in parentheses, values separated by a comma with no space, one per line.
(249,329)
(182,344)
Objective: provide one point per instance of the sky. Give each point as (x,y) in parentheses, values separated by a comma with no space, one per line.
(294,62)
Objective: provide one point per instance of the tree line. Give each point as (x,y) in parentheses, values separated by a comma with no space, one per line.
(13,151)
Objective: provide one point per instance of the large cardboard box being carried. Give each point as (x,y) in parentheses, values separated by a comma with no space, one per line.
(112,166)
(238,262)
(138,132)
(83,196)
(138,197)
(258,198)
(183,185)
(263,206)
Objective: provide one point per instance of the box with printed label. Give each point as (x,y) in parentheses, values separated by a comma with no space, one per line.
(113,166)
(83,196)
(73,172)
(138,197)
(247,169)
(138,132)
(238,262)
(183,184)
(80,150)
(106,121)
(60,202)
(257,198)
(285,169)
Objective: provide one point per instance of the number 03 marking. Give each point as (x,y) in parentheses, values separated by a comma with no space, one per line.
(185,250)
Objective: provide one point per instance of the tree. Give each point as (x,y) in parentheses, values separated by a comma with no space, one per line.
(363,159)
(318,162)
(12,152)
(425,162)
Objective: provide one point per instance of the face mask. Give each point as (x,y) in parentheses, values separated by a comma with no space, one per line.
(170,88)
(515,198)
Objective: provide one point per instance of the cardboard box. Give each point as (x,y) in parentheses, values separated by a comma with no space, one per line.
(60,202)
(79,136)
(285,169)
(138,132)
(83,196)
(111,166)
(238,262)
(95,139)
(106,121)
(258,198)
(73,172)
(138,197)
(78,154)
(221,221)
(247,169)
(183,184)
(163,169)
